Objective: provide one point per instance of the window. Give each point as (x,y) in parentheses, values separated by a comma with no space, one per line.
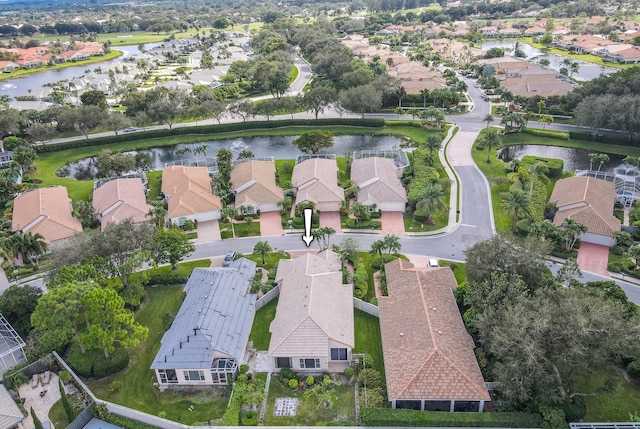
(194,375)
(283,362)
(167,376)
(309,363)
(339,354)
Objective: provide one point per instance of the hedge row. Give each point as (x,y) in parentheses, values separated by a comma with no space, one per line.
(388,417)
(552,134)
(555,165)
(167,279)
(94,364)
(604,138)
(212,129)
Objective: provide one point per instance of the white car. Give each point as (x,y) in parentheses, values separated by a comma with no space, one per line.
(130,129)
(433,263)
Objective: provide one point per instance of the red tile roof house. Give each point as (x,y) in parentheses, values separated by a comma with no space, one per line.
(188,194)
(45,211)
(316,180)
(121,199)
(254,184)
(8,66)
(429,360)
(313,329)
(590,202)
(378,184)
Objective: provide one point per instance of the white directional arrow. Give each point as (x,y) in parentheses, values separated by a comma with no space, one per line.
(307,237)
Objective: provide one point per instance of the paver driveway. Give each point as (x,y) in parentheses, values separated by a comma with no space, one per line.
(331,219)
(270,224)
(392,223)
(593,258)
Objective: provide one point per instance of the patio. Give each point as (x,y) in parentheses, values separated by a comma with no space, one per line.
(41,403)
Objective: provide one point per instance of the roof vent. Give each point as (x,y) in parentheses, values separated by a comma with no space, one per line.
(433,308)
(401,334)
(207,296)
(200,310)
(439,332)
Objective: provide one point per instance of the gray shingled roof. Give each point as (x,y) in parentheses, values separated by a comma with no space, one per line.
(216,315)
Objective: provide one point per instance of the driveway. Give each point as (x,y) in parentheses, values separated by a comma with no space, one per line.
(392,223)
(593,258)
(331,219)
(270,224)
(208,231)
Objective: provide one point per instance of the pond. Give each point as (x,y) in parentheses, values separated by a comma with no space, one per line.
(574,159)
(587,70)
(35,81)
(279,147)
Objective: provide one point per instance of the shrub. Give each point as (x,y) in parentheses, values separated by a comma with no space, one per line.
(553,418)
(378,263)
(617,250)
(374,301)
(68,408)
(94,364)
(576,410)
(633,369)
(293,383)
(249,418)
(348,372)
(81,363)
(370,377)
(286,373)
(310,380)
(615,267)
(64,376)
(115,386)
(167,279)
(524,226)
(244,368)
(37,424)
(15,379)
(560,135)
(555,165)
(167,320)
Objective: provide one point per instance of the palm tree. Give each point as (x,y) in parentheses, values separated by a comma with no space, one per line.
(425,94)
(537,170)
(157,214)
(433,142)
(430,202)
(31,246)
(632,160)
(262,248)
(490,139)
(377,247)
(541,105)
(572,231)
(545,120)
(600,158)
(230,212)
(520,175)
(360,211)
(488,119)
(183,151)
(634,254)
(574,68)
(202,149)
(391,244)
(516,204)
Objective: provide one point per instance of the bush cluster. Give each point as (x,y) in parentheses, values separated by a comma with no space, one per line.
(210,129)
(94,364)
(363,224)
(388,417)
(604,138)
(167,279)
(552,134)
(633,369)
(360,281)
(377,263)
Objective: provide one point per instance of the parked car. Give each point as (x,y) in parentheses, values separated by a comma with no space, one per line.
(130,129)
(433,263)
(228,258)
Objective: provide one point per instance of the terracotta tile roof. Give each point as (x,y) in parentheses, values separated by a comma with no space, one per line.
(428,354)
(121,199)
(586,200)
(377,180)
(255,182)
(317,181)
(314,307)
(189,191)
(45,211)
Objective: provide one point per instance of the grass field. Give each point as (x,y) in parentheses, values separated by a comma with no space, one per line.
(138,391)
(368,339)
(241,229)
(49,163)
(260,335)
(58,416)
(154,185)
(93,60)
(610,398)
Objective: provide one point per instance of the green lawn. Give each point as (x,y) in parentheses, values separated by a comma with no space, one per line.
(343,175)
(458,269)
(58,416)
(260,335)
(154,185)
(368,340)
(308,412)
(293,74)
(440,218)
(93,60)
(138,391)
(610,397)
(241,229)
(284,171)
(270,260)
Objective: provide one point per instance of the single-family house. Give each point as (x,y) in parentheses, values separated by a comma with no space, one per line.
(378,184)
(45,211)
(316,180)
(121,199)
(188,194)
(11,347)
(8,66)
(429,360)
(207,340)
(10,415)
(254,184)
(313,328)
(588,201)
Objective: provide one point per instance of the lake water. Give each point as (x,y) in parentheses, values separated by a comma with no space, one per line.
(587,71)
(277,147)
(574,159)
(36,81)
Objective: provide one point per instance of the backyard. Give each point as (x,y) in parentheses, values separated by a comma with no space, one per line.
(137,379)
(610,398)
